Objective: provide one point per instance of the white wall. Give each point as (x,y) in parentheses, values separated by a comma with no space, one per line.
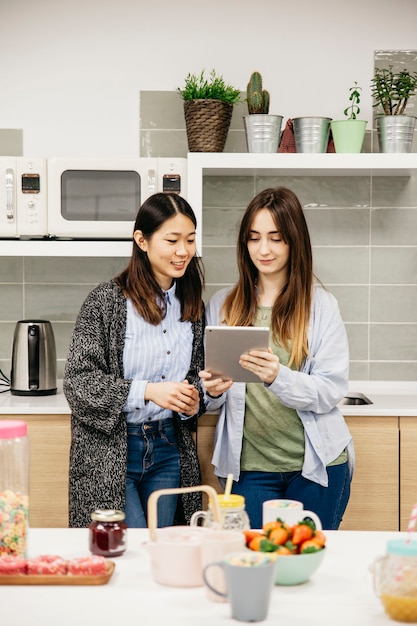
(72,71)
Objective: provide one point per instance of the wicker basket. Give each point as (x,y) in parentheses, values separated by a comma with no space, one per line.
(207,123)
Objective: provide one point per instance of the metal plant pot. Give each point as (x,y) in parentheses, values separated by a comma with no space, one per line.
(262,132)
(395,132)
(311,133)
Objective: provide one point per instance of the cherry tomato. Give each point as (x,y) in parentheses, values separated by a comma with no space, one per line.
(311,545)
(301,533)
(279,535)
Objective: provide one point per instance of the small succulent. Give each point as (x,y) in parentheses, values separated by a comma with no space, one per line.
(353,110)
(256,97)
(391,90)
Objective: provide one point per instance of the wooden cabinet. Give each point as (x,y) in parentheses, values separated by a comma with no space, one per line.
(374,501)
(408,468)
(384,486)
(205,441)
(49,438)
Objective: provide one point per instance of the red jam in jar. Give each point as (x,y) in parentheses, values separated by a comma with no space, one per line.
(107,532)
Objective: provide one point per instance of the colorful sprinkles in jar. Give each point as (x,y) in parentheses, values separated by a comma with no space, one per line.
(14,516)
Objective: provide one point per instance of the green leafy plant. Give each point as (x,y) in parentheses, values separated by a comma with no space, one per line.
(353,110)
(257,98)
(198,87)
(392,90)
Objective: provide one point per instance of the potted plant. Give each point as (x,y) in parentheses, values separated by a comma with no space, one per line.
(262,129)
(391,92)
(208,108)
(348,134)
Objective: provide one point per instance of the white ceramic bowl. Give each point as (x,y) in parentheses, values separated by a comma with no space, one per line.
(294,569)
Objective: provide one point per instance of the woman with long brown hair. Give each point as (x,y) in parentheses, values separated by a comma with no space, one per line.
(283,437)
(131,377)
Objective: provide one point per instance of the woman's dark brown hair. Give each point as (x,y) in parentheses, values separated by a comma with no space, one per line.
(291,310)
(138,281)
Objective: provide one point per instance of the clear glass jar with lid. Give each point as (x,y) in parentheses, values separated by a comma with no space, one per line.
(232,513)
(14,487)
(395,580)
(107,532)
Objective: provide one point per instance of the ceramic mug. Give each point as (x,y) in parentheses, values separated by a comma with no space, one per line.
(214,547)
(249,581)
(289,511)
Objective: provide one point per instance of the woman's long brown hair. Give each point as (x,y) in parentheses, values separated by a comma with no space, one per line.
(291,309)
(138,281)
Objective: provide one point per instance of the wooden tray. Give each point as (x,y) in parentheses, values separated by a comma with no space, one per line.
(44,579)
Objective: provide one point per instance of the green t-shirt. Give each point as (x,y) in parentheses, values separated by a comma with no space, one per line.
(273,434)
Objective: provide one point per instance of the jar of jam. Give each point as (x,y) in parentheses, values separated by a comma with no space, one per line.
(107,532)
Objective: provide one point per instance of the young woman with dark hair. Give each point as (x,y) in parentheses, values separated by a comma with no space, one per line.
(131,377)
(283,437)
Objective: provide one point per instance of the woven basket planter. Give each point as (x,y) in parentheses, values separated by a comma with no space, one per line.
(207,124)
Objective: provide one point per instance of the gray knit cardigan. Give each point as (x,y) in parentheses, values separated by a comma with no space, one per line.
(96,391)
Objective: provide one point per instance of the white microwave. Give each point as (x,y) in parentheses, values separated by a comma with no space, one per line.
(99,198)
(23,197)
(81,198)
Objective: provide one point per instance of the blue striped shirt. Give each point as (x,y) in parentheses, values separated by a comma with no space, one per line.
(154,354)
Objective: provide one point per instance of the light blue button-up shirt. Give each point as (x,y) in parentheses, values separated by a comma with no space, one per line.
(313,392)
(154,354)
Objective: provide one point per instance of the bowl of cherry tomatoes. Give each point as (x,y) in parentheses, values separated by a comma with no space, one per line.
(300,549)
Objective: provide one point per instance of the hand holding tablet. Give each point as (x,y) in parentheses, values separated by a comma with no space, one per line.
(225,344)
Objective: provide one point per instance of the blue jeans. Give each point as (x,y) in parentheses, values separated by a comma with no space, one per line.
(153,463)
(329,503)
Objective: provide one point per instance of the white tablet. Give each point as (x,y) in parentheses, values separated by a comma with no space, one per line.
(225,344)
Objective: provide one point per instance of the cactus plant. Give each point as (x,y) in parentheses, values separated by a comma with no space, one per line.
(256,97)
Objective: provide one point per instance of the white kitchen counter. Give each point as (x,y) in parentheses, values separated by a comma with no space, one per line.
(340,592)
(34,405)
(389,398)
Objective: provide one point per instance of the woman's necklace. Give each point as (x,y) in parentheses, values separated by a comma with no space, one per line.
(264,312)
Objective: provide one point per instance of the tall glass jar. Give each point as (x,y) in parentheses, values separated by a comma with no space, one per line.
(14,487)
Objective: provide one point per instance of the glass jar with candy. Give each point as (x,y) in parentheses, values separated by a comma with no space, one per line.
(14,487)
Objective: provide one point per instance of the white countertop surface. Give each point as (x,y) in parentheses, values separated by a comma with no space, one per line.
(340,592)
(34,405)
(389,398)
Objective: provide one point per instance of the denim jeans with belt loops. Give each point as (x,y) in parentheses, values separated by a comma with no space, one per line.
(152,463)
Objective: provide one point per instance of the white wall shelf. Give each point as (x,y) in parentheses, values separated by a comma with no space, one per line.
(245,164)
(202,164)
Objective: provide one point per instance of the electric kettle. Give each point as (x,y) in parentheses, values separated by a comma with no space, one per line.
(33,370)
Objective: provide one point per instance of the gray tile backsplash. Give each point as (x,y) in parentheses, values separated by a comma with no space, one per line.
(363,231)
(51,288)
(11,141)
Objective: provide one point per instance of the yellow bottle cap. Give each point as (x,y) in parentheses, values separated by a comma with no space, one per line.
(231,501)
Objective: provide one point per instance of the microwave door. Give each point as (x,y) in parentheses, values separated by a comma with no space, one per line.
(97,198)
